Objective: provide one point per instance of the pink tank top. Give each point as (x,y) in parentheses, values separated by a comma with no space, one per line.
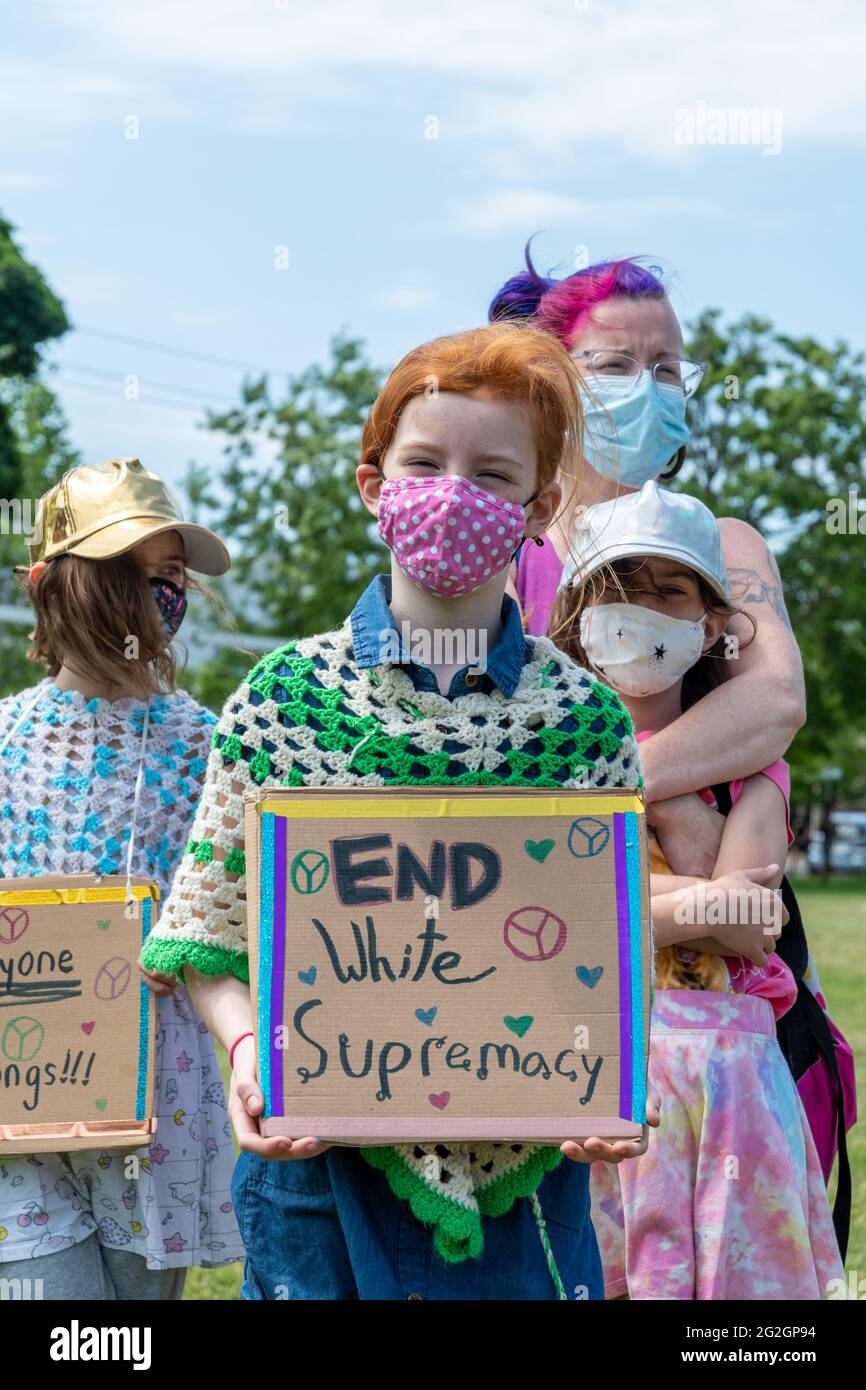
(539,570)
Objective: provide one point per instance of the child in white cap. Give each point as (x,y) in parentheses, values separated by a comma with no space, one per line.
(729,1201)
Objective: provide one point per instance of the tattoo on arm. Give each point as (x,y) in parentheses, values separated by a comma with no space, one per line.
(747,586)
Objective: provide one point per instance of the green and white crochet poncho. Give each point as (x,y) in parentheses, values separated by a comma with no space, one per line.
(308,715)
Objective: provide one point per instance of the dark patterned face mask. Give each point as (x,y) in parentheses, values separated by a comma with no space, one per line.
(171,602)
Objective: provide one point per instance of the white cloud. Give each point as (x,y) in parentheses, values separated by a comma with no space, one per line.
(194,318)
(404,297)
(98,287)
(541,81)
(52,100)
(20,181)
(547,78)
(516,209)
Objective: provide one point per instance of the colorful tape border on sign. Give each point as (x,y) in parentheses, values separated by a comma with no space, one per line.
(147,894)
(391,808)
(632,1053)
(272,918)
(41,897)
(143,1018)
(272,958)
(267,933)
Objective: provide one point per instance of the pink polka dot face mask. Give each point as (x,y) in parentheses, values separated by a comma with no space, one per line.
(448,535)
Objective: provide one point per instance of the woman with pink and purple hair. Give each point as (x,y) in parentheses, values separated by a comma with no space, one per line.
(616,320)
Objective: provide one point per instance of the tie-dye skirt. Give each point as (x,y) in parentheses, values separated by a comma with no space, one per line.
(729,1201)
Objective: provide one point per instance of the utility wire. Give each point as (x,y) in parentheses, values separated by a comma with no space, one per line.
(176,351)
(91,388)
(115,376)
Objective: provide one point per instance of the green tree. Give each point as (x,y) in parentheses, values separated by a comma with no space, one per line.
(779,432)
(43,452)
(286,502)
(30,315)
(34,449)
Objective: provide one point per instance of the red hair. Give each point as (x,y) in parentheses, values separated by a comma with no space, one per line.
(506,359)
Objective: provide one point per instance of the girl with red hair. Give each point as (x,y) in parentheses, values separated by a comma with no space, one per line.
(460,461)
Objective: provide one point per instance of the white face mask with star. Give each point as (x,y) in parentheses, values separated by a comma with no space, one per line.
(639,651)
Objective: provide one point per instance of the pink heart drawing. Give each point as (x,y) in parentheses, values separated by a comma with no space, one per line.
(441,1100)
(88,1027)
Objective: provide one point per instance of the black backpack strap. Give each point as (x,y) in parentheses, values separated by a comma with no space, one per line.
(804,1034)
(816,1021)
(722,793)
(792,946)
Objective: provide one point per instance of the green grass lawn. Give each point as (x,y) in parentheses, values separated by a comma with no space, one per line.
(835,918)
(834,915)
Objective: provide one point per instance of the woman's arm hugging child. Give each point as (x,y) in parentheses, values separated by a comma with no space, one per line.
(459,464)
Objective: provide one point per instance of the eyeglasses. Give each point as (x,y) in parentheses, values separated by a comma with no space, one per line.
(677,372)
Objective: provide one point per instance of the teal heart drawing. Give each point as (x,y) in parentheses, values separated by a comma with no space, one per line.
(588,977)
(103,923)
(426,1016)
(519,1025)
(100,1104)
(539,849)
(307,977)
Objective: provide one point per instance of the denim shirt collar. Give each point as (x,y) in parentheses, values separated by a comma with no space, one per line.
(371,621)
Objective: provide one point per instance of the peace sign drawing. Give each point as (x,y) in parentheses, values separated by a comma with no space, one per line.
(14,922)
(309,871)
(587,837)
(22,1038)
(112,978)
(534,933)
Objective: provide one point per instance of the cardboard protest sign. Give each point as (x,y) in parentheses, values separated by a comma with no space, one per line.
(449,963)
(77,1021)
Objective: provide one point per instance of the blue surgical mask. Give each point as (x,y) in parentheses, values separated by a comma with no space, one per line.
(633,427)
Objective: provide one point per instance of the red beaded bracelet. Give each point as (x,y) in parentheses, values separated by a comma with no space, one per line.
(234,1045)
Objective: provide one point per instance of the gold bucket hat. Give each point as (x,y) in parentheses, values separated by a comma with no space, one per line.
(102,511)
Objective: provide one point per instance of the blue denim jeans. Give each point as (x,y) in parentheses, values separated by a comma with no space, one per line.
(330,1228)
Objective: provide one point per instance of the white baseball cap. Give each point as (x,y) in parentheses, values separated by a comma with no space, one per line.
(652,521)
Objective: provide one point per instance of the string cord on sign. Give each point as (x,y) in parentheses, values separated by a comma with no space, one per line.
(28,709)
(136,801)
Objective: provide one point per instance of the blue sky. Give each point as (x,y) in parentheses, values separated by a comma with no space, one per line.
(266,123)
